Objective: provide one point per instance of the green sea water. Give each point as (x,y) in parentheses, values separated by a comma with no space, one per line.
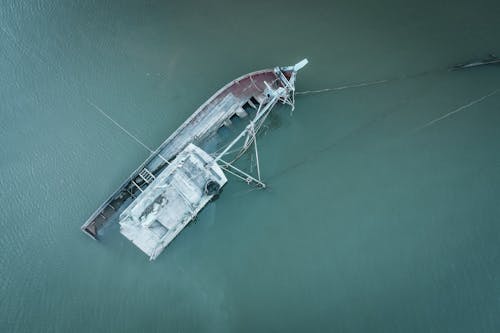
(381,214)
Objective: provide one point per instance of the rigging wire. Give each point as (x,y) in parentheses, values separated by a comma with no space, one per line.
(459,109)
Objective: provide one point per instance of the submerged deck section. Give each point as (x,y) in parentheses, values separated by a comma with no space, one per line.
(174,198)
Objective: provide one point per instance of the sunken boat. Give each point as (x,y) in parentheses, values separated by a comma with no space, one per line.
(187,171)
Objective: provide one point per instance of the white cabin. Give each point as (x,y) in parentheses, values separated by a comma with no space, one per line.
(172,200)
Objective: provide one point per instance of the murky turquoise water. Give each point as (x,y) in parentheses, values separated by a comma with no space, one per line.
(371,223)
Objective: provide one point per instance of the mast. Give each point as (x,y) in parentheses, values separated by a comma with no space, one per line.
(284,94)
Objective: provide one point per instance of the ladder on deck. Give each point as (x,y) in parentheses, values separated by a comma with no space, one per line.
(147,176)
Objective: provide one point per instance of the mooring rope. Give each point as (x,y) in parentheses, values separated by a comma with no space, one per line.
(373,83)
(357,85)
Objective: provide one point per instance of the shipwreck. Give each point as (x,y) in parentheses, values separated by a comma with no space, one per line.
(188,170)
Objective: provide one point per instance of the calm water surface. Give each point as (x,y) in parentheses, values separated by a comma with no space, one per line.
(373,222)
